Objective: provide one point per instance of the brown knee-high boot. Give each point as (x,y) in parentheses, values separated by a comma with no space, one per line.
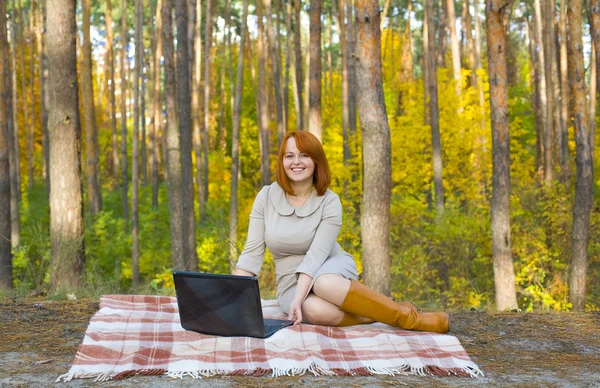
(363,301)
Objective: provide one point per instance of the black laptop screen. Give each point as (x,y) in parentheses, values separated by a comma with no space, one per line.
(219,304)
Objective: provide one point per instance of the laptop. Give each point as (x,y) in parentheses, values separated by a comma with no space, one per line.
(225,305)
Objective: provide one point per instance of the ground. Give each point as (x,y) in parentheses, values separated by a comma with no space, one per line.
(39,339)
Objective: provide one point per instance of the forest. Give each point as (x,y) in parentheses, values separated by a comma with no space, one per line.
(134,137)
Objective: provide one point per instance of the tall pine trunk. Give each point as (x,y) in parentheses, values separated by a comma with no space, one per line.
(375,216)
(113,102)
(43,67)
(89,116)
(31,126)
(205,129)
(124,168)
(66,202)
(543,95)
(583,160)
(434,113)
(196,95)
(156,104)
(173,153)
(135,152)
(275,58)
(15,171)
(184,105)
(564,96)
(6,281)
(314,92)
(235,144)
(504,275)
(298,59)
(454,46)
(263,113)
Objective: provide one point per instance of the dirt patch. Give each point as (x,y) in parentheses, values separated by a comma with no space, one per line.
(40,338)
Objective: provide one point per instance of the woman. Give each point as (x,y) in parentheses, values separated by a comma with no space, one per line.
(299,219)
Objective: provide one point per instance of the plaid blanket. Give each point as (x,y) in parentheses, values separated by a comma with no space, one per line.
(133,335)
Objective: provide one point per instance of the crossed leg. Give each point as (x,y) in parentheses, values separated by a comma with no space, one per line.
(322,306)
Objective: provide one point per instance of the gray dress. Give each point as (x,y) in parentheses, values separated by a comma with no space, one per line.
(302,239)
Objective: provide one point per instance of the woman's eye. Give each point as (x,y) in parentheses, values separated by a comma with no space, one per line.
(304,155)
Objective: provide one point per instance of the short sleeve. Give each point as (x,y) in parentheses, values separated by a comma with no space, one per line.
(325,237)
(253,255)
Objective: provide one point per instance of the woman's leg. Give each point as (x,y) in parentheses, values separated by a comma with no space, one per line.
(356,298)
(318,311)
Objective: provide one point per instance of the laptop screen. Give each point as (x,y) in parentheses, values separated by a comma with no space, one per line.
(224,305)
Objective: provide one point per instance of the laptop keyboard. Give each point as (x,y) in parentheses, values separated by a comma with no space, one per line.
(270,329)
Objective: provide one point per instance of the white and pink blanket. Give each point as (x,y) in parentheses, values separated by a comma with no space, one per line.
(142,335)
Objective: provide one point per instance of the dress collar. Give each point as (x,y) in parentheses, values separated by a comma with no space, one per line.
(283,207)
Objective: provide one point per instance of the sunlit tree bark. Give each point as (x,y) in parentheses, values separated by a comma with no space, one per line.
(203,165)
(66,202)
(583,159)
(375,215)
(173,152)
(504,275)
(6,281)
(314,92)
(263,112)
(89,116)
(113,103)
(454,46)
(13,145)
(124,167)
(298,63)
(275,58)
(564,96)
(156,104)
(235,145)
(185,125)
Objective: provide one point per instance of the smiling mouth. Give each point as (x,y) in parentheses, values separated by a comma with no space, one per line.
(297,169)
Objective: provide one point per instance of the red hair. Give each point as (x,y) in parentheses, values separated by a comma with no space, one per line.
(310,145)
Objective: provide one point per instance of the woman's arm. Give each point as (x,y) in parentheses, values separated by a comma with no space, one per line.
(242,272)
(301,291)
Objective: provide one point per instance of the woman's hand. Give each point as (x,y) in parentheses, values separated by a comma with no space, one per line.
(295,311)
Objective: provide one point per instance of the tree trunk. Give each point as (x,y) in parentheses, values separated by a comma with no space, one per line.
(204,140)
(595,31)
(467,23)
(441,30)
(196,97)
(375,216)
(113,104)
(42,65)
(32,125)
(298,59)
(235,144)
(434,113)
(405,72)
(124,174)
(384,13)
(173,155)
(345,111)
(583,160)
(263,112)
(135,152)
(288,57)
(184,114)
(143,150)
(6,280)
(25,106)
(592,118)
(156,104)
(89,116)
(351,39)
(504,275)
(478,58)
(427,54)
(15,190)
(548,31)
(541,58)
(276,72)
(314,92)
(66,202)
(454,46)
(564,96)
(539,118)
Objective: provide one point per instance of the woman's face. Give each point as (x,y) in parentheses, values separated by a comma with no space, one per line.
(298,166)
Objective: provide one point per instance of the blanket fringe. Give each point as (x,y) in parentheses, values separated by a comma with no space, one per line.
(314,369)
